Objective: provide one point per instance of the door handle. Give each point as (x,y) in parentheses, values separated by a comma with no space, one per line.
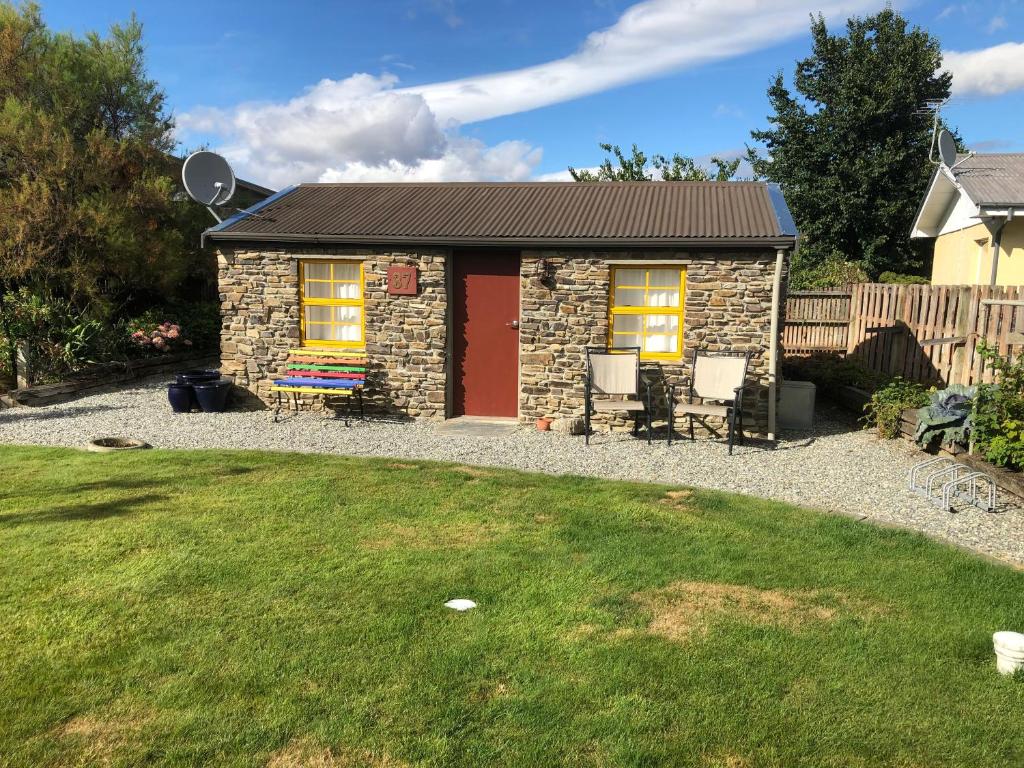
(514,324)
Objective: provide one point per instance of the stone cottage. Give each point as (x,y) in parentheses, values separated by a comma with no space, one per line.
(479,298)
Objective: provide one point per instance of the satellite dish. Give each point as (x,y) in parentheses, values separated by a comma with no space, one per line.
(208,178)
(947,148)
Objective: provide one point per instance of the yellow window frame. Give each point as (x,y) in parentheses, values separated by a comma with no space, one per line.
(305,301)
(679,312)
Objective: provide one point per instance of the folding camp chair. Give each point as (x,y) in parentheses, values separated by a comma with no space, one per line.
(718,377)
(615,372)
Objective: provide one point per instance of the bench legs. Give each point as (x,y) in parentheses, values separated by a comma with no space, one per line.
(280,405)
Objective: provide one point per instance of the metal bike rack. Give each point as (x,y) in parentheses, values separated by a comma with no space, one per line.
(970,492)
(942,479)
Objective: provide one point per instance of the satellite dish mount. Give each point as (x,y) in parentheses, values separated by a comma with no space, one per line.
(208,179)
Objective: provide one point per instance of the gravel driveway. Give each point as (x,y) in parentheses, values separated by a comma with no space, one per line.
(836,467)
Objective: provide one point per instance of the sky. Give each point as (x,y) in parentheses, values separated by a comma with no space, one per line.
(510,90)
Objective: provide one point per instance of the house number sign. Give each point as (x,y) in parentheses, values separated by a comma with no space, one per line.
(402,281)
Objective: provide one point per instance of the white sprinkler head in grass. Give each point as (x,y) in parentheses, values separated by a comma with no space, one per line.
(1009,651)
(460,604)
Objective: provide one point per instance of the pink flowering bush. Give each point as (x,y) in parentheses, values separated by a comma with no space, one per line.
(166,337)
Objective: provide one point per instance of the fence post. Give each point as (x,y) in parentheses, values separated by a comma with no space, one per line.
(22,374)
(851,326)
(898,345)
(957,367)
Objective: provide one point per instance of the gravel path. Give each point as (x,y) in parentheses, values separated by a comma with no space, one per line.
(837,467)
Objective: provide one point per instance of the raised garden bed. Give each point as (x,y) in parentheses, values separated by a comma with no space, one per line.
(118,373)
(851,398)
(1009,481)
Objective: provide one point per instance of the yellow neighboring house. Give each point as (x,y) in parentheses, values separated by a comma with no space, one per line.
(975,212)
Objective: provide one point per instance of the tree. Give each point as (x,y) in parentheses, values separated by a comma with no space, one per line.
(850,148)
(635,168)
(88,208)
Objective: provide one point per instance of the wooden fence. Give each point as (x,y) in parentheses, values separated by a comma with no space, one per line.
(927,333)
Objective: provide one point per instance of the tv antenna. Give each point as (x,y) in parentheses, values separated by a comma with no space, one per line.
(943,142)
(208,179)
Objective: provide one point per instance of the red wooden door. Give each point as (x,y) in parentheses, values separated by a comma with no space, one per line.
(486,334)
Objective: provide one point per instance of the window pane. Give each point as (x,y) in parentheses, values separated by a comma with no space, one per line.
(346,290)
(348,333)
(346,270)
(632,277)
(662,323)
(317,290)
(318,332)
(315,314)
(347,314)
(663,297)
(628,323)
(620,340)
(317,271)
(663,278)
(661,344)
(629,297)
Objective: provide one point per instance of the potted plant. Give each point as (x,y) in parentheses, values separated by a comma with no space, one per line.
(544,424)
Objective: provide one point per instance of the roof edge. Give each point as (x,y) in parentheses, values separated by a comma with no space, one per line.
(784,241)
(231,220)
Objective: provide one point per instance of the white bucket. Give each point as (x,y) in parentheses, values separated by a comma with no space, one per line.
(1009,651)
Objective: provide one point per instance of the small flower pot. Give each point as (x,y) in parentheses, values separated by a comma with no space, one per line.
(182,398)
(544,425)
(213,395)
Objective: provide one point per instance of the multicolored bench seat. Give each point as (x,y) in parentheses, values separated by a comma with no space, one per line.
(330,373)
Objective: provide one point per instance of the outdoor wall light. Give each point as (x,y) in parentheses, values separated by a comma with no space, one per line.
(544,271)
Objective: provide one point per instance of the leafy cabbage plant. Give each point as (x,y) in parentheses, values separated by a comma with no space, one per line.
(948,416)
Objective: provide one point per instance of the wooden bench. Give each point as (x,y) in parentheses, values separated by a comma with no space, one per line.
(329,373)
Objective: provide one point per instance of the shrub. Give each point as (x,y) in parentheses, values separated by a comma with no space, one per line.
(999,411)
(58,338)
(897,278)
(199,322)
(831,273)
(885,409)
(166,337)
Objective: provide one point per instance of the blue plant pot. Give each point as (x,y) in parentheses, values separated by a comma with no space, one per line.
(182,397)
(197,376)
(213,395)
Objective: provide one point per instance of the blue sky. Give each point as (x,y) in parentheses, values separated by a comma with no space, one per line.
(511,89)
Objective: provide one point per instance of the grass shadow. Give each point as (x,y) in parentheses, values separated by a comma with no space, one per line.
(81,512)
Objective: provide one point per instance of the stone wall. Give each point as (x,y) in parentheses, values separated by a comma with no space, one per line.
(406,336)
(727,309)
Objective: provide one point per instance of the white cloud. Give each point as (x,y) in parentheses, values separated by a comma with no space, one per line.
(561,175)
(995,24)
(988,71)
(651,38)
(357,129)
(364,127)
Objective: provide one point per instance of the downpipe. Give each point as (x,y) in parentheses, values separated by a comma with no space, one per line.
(773,343)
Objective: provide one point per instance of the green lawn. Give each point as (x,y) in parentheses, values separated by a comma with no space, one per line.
(194,608)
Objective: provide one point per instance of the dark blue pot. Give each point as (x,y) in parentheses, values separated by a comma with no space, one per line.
(197,376)
(213,395)
(182,397)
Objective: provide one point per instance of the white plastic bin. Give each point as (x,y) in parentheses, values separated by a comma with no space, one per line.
(796,405)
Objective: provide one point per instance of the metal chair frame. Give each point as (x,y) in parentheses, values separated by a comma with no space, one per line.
(640,378)
(734,406)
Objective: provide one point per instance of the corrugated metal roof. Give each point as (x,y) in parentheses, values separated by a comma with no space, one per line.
(567,213)
(992,179)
